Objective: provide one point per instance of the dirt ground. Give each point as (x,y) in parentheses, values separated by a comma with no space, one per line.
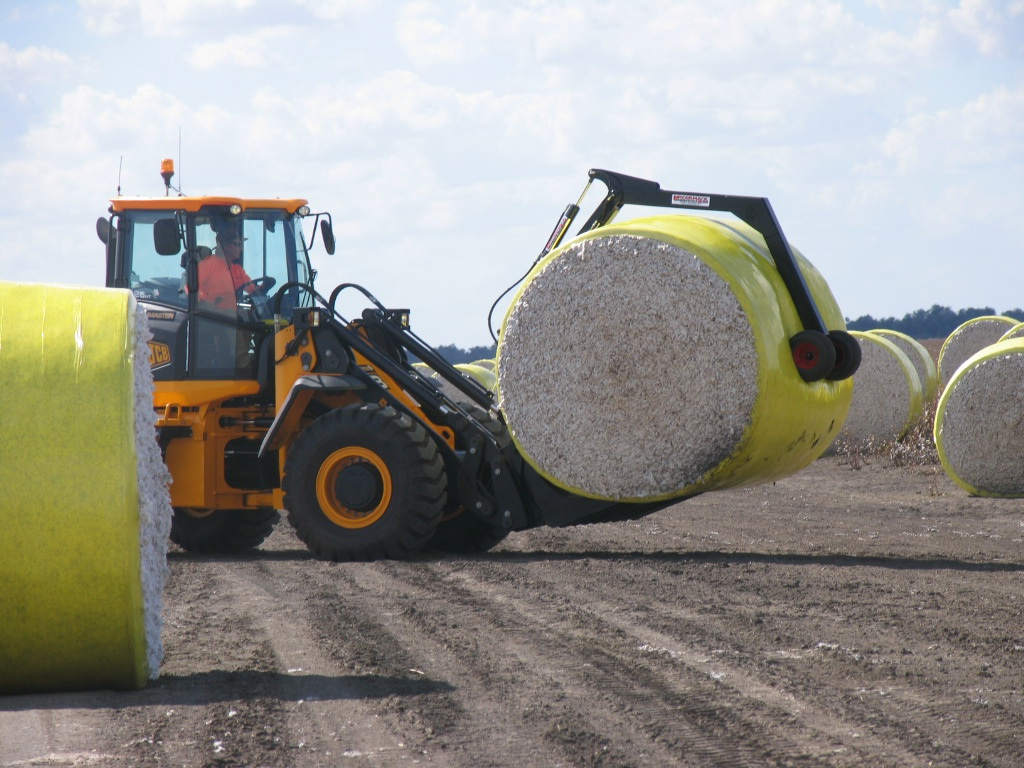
(840,617)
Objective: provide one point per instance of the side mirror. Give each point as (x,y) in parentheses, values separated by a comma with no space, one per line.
(328,235)
(103,229)
(166,237)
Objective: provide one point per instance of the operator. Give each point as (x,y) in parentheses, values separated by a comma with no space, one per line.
(221,275)
(221,280)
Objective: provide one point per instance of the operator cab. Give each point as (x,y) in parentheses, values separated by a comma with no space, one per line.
(169,251)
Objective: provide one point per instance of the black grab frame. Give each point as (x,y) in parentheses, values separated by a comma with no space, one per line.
(818,353)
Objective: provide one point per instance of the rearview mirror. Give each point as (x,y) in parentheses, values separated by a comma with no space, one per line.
(328,235)
(166,238)
(103,229)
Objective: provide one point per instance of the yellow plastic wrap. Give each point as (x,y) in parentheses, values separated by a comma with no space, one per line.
(76,610)
(968,338)
(887,392)
(1015,332)
(789,424)
(979,422)
(480,373)
(920,358)
(484,376)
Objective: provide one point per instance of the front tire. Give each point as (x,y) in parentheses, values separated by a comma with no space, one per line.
(364,483)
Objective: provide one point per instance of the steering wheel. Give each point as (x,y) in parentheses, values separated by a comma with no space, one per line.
(261,284)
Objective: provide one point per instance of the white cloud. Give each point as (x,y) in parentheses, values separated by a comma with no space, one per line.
(25,67)
(982,23)
(251,51)
(152,18)
(981,133)
(447,136)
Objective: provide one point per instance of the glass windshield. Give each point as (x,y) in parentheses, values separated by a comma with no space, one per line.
(265,247)
(153,277)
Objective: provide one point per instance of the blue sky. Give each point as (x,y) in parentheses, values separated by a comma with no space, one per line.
(446,137)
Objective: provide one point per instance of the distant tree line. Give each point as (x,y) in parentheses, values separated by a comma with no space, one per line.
(455,355)
(935,323)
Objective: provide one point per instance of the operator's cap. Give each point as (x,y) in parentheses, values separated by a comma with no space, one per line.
(229,230)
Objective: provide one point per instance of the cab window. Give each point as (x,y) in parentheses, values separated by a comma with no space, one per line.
(153,277)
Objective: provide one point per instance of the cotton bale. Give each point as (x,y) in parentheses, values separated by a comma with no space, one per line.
(482,375)
(921,358)
(979,422)
(969,338)
(1015,332)
(650,360)
(887,393)
(86,512)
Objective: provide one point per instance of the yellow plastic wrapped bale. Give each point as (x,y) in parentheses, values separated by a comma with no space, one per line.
(887,393)
(482,375)
(979,422)
(1015,332)
(651,360)
(85,514)
(919,356)
(968,338)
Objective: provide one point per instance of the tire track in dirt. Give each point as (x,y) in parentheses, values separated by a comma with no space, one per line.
(707,706)
(653,713)
(854,691)
(374,623)
(334,720)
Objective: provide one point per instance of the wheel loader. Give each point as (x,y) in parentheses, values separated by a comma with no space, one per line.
(274,401)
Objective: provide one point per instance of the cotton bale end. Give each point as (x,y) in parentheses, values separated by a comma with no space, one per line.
(887,394)
(1016,332)
(919,356)
(650,360)
(968,338)
(979,422)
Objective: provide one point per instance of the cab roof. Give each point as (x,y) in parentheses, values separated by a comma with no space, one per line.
(194,204)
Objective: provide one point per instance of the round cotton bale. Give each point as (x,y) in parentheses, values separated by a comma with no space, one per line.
(1015,332)
(650,360)
(86,510)
(887,393)
(483,376)
(969,338)
(919,356)
(979,422)
(488,364)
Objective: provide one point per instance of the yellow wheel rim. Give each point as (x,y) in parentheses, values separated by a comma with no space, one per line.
(353,487)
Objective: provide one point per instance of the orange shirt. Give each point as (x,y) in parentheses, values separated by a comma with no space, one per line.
(219,281)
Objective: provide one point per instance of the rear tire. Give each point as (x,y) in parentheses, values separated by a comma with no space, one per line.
(222,531)
(364,483)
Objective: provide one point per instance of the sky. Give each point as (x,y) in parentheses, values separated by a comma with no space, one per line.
(446,137)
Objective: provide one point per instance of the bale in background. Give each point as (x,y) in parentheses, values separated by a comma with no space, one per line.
(651,360)
(483,375)
(887,394)
(969,338)
(1015,332)
(85,512)
(919,356)
(979,422)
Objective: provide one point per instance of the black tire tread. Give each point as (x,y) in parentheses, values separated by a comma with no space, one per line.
(410,528)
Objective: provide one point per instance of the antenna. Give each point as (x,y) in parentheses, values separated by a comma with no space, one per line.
(120,162)
(179,160)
